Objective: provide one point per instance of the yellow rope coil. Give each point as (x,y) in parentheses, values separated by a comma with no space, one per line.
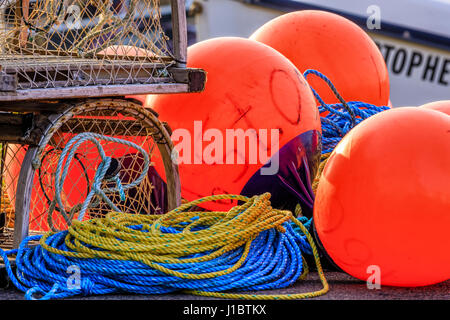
(226,231)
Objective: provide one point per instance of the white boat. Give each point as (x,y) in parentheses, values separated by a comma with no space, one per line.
(413,35)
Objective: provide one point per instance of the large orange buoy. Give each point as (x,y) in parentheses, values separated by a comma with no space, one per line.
(442,106)
(383,201)
(334,46)
(251,90)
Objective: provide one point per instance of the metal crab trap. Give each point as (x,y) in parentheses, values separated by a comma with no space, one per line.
(72,144)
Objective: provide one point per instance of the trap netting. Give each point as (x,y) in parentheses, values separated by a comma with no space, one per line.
(62,43)
(65,170)
(131,184)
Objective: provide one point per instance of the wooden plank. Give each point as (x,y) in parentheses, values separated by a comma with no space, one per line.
(17,128)
(75,65)
(32,54)
(12,119)
(195,78)
(10,133)
(81,92)
(179,32)
(79,72)
(125,81)
(32,106)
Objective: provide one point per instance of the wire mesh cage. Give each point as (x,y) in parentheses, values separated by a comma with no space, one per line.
(49,44)
(136,135)
(54,43)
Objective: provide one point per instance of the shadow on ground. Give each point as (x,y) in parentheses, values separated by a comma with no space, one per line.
(342,287)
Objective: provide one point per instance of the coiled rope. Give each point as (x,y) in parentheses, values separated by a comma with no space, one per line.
(340,118)
(65,161)
(251,247)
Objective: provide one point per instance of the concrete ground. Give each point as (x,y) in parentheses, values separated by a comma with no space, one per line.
(342,287)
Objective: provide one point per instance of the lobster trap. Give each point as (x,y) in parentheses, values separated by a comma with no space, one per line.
(67,69)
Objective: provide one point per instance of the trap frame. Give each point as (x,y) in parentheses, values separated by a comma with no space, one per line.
(65,68)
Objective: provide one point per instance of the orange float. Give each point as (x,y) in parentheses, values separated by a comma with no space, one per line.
(336,47)
(249,86)
(442,106)
(383,201)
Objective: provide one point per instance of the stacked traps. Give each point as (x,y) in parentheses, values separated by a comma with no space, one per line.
(341,117)
(66,68)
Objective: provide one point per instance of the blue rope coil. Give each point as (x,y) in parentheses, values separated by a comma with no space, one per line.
(274,261)
(341,117)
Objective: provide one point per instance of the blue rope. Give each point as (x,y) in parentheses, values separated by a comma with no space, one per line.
(64,162)
(341,117)
(274,261)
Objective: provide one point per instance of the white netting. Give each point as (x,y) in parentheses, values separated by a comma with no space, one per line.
(61,43)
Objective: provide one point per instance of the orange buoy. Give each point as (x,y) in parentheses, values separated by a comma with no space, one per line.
(383,201)
(251,90)
(442,106)
(336,47)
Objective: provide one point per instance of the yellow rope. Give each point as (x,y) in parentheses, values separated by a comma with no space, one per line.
(323,161)
(226,231)
(293,296)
